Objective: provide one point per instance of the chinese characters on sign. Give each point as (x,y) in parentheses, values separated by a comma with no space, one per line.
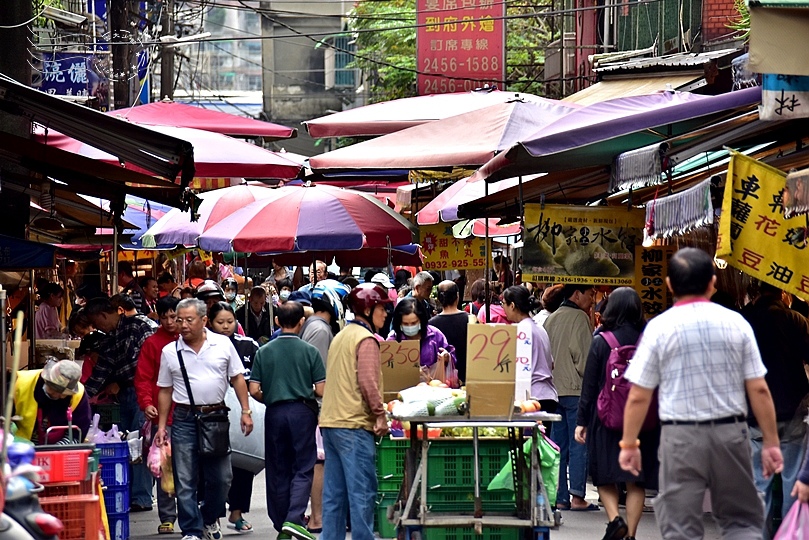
(784,96)
(460,44)
(442,251)
(400,365)
(72,74)
(581,244)
(651,268)
(754,236)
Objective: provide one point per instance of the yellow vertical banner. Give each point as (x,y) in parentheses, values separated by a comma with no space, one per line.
(651,268)
(442,251)
(754,236)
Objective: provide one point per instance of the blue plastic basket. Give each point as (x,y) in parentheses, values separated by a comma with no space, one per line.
(115,472)
(116,499)
(114,450)
(119,526)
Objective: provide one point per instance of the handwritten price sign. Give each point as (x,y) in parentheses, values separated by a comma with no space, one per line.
(491,352)
(400,364)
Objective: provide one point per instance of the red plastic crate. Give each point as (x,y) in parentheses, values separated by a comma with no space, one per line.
(63,465)
(80,514)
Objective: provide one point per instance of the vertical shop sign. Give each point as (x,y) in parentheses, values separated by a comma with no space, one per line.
(754,236)
(651,269)
(460,45)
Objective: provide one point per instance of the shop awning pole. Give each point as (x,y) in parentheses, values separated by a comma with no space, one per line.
(487,275)
(3,340)
(114,277)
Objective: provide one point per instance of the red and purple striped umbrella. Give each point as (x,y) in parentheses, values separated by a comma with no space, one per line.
(309,218)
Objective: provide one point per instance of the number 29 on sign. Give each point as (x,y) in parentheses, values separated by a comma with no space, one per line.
(491,351)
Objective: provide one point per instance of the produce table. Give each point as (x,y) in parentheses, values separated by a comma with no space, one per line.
(532,509)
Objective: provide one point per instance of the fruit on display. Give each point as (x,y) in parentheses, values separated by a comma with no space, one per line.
(527,406)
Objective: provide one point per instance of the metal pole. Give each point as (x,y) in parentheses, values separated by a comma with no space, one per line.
(3,339)
(488,276)
(167,53)
(114,270)
(32,339)
(247,307)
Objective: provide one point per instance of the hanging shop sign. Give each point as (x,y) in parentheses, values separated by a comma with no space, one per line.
(754,236)
(460,45)
(581,244)
(784,97)
(442,251)
(76,74)
(651,269)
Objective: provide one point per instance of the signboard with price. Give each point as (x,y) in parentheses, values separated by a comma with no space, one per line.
(442,251)
(400,366)
(491,354)
(460,45)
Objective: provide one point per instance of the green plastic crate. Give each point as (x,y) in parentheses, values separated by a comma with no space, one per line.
(385,528)
(457,533)
(390,458)
(462,500)
(451,462)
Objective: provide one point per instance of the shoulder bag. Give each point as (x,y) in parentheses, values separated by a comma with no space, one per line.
(213,427)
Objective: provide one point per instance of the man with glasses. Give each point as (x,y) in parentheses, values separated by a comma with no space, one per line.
(322,272)
(210,362)
(570,334)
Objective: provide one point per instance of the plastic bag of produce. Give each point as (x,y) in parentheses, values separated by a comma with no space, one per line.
(549,459)
(154,459)
(166,470)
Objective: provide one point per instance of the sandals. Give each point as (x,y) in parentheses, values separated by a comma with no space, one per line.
(241,525)
(167,527)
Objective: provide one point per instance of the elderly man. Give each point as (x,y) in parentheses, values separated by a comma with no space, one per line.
(42,397)
(203,362)
(704,360)
(321,273)
(254,316)
(422,289)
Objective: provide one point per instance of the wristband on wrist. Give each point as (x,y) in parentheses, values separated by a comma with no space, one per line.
(629,446)
(247,412)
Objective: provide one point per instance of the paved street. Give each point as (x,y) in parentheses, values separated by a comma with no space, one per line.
(577,525)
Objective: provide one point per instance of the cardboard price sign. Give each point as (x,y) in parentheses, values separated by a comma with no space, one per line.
(400,365)
(491,352)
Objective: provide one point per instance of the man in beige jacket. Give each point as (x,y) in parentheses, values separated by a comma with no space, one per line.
(570,335)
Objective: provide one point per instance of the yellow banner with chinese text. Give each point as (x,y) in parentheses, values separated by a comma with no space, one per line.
(581,244)
(442,251)
(753,234)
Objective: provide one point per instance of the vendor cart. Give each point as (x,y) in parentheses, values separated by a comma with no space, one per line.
(531,509)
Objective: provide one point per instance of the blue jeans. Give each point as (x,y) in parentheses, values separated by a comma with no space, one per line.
(573,456)
(792,452)
(349,482)
(187,462)
(132,418)
(289,454)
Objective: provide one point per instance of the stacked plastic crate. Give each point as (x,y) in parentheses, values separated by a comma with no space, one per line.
(114,462)
(450,484)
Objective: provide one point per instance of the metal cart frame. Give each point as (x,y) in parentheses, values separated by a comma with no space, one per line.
(534,514)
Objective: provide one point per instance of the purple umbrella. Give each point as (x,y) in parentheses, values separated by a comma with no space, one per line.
(595,134)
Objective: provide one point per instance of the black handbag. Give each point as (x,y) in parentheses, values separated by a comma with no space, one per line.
(213,427)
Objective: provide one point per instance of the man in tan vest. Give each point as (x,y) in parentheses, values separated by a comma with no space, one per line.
(352,414)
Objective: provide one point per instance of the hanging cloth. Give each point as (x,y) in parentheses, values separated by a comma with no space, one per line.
(681,212)
(637,168)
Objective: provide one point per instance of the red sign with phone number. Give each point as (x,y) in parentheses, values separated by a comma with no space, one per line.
(460,45)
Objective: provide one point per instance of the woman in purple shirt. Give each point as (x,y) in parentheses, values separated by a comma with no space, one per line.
(410,321)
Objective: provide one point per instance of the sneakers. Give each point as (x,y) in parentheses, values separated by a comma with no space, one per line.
(191,537)
(616,529)
(297,531)
(213,532)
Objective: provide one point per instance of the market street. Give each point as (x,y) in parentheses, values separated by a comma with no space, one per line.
(577,525)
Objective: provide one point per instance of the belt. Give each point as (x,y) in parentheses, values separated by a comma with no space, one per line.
(715,422)
(201,408)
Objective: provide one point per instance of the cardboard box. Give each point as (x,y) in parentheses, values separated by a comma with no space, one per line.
(490,399)
(491,370)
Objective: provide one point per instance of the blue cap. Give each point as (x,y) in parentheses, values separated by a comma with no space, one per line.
(301,296)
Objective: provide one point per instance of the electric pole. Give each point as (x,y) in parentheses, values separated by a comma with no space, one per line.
(167,53)
(121,36)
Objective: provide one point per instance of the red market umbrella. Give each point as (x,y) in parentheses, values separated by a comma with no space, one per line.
(309,218)
(176,226)
(215,155)
(398,114)
(171,113)
(469,139)
(409,255)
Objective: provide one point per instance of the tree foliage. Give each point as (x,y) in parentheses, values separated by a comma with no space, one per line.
(385,38)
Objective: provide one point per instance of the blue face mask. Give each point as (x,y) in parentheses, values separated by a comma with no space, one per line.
(284,294)
(411,331)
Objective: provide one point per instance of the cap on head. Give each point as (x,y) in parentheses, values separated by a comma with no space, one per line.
(367,296)
(209,289)
(302,297)
(382,279)
(62,375)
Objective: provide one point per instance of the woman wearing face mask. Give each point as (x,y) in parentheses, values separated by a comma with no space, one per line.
(231,288)
(410,321)
(223,321)
(284,287)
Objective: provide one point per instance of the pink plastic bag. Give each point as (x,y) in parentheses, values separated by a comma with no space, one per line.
(153,460)
(796,523)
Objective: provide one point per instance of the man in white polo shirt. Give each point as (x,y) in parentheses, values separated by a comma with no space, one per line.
(704,360)
(210,361)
